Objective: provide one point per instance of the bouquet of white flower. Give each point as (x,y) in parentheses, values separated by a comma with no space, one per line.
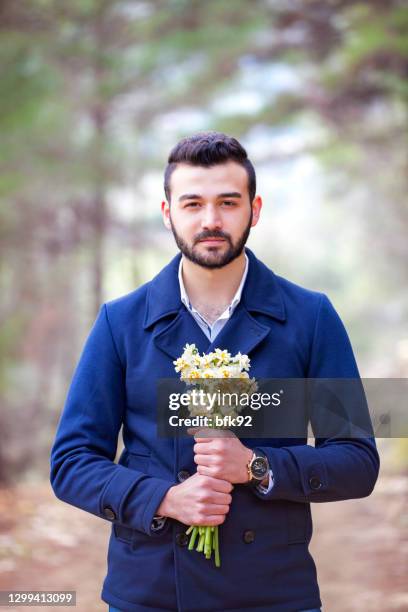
(200,371)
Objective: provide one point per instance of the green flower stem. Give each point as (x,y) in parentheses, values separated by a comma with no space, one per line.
(216,548)
(207,542)
(200,546)
(193,537)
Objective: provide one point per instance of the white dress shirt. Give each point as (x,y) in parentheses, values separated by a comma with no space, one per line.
(212,330)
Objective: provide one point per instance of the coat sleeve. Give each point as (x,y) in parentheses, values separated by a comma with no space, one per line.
(83,472)
(336,468)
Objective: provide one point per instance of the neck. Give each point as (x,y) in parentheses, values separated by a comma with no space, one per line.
(217,286)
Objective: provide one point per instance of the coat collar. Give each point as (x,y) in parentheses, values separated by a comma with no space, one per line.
(242,332)
(261,292)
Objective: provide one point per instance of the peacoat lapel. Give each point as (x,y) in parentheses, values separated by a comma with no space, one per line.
(163,302)
(243,332)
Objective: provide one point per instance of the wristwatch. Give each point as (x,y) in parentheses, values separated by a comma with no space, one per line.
(258,467)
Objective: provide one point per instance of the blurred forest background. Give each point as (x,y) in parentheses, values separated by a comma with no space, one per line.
(93,95)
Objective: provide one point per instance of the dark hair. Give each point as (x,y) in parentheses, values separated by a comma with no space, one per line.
(209,149)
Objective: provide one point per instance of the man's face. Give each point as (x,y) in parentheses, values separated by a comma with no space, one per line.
(210,213)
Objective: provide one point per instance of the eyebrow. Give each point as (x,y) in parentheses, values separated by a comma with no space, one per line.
(195,196)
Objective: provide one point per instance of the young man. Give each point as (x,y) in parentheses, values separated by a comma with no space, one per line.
(214,293)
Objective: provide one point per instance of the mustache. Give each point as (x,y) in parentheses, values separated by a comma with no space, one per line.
(212,234)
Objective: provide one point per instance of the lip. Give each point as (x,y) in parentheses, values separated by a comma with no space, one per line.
(213,240)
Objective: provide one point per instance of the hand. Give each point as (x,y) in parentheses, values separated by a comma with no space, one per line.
(198,500)
(222,456)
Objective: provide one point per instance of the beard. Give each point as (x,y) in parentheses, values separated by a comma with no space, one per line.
(214,257)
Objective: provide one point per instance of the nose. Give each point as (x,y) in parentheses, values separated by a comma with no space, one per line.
(211,219)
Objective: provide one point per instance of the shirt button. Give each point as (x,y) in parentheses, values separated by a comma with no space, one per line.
(248,536)
(183,475)
(315,483)
(109,514)
(182,539)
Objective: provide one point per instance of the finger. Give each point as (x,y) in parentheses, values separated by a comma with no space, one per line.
(208,434)
(205,433)
(207,470)
(198,438)
(220,498)
(224,433)
(213,509)
(215,519)
(203,449)
(219,484)
(205,460)
(211,470)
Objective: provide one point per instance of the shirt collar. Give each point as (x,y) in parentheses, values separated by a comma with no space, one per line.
(262,293)
(235,300)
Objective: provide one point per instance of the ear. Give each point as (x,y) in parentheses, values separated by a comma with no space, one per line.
(256,210)
(165,209)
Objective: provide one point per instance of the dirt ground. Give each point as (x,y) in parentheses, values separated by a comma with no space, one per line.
(360,548)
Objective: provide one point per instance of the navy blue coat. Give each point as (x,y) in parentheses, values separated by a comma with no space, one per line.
(288,332)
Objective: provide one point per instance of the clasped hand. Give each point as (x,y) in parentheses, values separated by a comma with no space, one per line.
(220,454)
(205,497)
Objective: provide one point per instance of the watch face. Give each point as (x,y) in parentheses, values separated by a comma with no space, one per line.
(259,467)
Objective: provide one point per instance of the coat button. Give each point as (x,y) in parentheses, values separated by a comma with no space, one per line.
(248,536)
(183,475)
(182,539)
(315,483)
(109,514)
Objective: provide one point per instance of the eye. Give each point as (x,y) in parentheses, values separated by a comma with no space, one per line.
(192,205)
(229,203)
